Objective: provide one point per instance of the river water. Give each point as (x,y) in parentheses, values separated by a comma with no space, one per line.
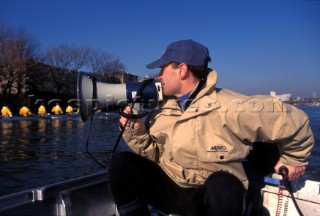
(39,151)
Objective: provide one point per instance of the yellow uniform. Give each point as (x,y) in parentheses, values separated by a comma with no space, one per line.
(57,110)
(6,112)
(24,111)
(42,110)
(69,110)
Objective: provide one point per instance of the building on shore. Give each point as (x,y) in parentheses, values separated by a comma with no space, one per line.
(281,97)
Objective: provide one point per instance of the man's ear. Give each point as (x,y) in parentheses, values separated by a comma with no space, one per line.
(183,70)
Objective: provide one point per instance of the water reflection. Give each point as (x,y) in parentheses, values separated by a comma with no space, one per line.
(42,130)
(38,151)
(5,132)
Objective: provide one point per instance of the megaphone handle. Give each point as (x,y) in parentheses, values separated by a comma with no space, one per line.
(135,116)
(131,125)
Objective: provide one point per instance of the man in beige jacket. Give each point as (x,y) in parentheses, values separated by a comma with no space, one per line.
(193,145)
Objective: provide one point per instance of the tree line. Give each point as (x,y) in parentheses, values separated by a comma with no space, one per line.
(21,52)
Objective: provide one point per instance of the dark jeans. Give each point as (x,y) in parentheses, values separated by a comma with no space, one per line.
(136,181)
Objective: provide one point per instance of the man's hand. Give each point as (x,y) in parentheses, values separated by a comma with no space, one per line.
(123,120)
(294,171)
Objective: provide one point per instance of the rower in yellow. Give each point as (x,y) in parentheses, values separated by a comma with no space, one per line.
(6,112)
(42,110)
(69,110)
(25,111)
(57,109)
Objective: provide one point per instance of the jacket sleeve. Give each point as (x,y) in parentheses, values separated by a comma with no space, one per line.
(295,137)
(269,120)
(141,143)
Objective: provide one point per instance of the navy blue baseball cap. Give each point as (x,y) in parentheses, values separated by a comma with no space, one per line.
(183,51)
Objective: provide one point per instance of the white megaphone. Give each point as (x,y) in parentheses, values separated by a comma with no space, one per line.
(94,95)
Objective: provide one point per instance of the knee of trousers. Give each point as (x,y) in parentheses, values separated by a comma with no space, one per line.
(224,194)
(121,160)
(119,165)
(222,181)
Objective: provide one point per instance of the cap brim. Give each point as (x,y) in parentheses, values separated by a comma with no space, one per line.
(158,63)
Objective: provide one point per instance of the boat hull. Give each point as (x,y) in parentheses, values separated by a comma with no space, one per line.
(91,196)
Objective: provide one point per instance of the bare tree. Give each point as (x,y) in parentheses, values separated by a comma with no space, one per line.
(104,65)
(67,56)
(65,59)
(16,48)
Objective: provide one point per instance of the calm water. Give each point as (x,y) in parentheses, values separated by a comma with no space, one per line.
(39,151)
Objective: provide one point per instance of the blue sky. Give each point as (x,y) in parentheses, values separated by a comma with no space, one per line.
(256,45)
